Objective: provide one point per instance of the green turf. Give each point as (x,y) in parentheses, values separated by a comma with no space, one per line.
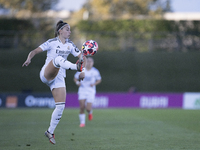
(111,129)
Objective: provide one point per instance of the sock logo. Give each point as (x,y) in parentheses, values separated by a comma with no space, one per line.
(58,118)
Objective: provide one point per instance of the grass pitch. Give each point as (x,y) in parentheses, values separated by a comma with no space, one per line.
(111,129)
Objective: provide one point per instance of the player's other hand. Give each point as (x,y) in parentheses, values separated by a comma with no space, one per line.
(78,83)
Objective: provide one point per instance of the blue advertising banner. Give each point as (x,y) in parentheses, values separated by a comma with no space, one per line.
(27,100)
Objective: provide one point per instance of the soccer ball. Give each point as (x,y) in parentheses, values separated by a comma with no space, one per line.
(89,48)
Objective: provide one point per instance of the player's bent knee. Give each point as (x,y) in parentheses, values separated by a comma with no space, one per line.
(56,61)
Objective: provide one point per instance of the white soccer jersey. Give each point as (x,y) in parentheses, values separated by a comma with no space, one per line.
(55,47)
(91,76)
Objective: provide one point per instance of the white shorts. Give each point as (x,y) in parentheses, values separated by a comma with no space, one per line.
(57,82)
(89,97)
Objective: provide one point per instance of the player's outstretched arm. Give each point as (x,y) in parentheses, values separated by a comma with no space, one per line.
(31,55)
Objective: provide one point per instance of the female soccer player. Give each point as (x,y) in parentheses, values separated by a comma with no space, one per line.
(87,89)
(53,71)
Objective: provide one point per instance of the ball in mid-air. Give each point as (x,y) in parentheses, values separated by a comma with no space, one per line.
(89,47)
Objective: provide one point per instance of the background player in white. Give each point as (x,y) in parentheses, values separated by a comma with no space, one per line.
(54,70)
(87,89)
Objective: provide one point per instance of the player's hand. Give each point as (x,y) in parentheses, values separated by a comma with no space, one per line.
(91,85)
(26,63)
(81,76)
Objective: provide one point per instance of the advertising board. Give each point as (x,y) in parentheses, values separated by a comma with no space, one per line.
(102,100)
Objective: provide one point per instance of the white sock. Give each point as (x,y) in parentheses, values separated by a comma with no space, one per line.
(82,118)
(56,116)
(61,62)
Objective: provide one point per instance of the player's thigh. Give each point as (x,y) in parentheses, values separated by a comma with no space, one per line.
(82,103)
(59,94)
(50,71)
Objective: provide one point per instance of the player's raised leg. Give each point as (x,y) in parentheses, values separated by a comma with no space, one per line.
(59,61)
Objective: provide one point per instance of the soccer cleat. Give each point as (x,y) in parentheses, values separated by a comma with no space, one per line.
(82,125)
(90,117)
(80,67)
(51,137)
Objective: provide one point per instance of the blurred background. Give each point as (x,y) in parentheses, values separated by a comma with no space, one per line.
(144,45)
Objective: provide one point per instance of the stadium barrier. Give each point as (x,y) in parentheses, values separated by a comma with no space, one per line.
(106,100)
